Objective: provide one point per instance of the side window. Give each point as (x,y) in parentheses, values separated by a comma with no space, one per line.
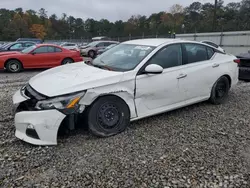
(16,46)
(101,44)
(51,49)
(170,56)
(58,50)
(28,44)
(210,52)
(107,44)
(195,53)
(40,50)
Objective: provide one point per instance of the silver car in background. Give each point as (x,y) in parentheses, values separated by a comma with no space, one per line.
(70,46)
(91,50)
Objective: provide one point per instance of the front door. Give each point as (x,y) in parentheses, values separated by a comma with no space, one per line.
(156,93)
(44,56)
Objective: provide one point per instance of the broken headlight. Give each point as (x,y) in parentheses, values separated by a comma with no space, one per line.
(67,102)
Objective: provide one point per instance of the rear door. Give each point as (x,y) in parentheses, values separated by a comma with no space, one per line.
(200,70)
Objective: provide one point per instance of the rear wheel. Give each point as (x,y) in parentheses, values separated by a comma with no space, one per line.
(220,91)
(91,54)
(108,116)
(67,61)
(14,66)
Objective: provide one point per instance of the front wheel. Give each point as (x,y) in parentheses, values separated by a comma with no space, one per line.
(67,61)
(92,54)
(220,91)
(14,66)
(108,116)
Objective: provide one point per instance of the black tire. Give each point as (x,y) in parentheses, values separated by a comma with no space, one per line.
(14,66)
(67,61)
(220,90)
(108,116)
(92,54)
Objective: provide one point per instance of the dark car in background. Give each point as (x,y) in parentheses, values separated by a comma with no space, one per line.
(16,46)
(244,66)
(92,48)
(35,40)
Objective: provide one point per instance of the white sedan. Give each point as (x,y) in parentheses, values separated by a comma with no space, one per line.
(133,80)
(70,46)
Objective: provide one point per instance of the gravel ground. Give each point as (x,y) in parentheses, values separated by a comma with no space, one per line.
(198,146)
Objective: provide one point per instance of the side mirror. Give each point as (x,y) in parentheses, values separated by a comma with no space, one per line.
(153,69)
(33,53)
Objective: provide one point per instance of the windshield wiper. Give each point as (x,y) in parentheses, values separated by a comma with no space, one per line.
(102,67)
(97,66)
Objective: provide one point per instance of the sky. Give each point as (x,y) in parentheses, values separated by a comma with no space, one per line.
(108,9)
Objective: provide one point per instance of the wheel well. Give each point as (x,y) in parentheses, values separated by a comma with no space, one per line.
(229,79)
(5,63)
(92,51)
(102,96)
(68,58)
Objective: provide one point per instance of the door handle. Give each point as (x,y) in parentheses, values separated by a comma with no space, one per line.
(216,65)
(181,76)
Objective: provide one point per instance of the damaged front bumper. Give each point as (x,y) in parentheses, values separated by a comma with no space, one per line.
(36,127)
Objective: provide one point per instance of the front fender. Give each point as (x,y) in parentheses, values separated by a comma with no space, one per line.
(125,94)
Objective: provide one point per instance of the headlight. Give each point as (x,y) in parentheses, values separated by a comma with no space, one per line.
(60,103)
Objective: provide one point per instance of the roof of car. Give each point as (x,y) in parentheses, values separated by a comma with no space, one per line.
(111,41)
(152,41)
(44,44)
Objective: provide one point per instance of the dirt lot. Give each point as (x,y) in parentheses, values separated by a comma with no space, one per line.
(197,146)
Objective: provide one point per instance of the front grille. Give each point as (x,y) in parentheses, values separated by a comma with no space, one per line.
(28,105)
(34,97)
(33,94)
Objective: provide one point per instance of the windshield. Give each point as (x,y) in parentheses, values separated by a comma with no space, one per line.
(111,46)
(28,50)
(123,57)
(93,43)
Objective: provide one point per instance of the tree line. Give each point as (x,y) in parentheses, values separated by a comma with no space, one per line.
(196,17)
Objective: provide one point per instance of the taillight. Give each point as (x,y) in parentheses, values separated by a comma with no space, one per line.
(237,61)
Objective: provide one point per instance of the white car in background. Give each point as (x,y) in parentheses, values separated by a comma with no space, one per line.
(70,46)
(213,44)
(131,81)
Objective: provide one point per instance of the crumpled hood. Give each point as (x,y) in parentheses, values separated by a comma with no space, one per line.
(71,78)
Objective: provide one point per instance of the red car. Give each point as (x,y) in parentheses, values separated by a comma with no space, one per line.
(38,56)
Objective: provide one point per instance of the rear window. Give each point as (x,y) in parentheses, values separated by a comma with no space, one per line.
(195,53)
(58,50)
(211,44)
(210,52)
